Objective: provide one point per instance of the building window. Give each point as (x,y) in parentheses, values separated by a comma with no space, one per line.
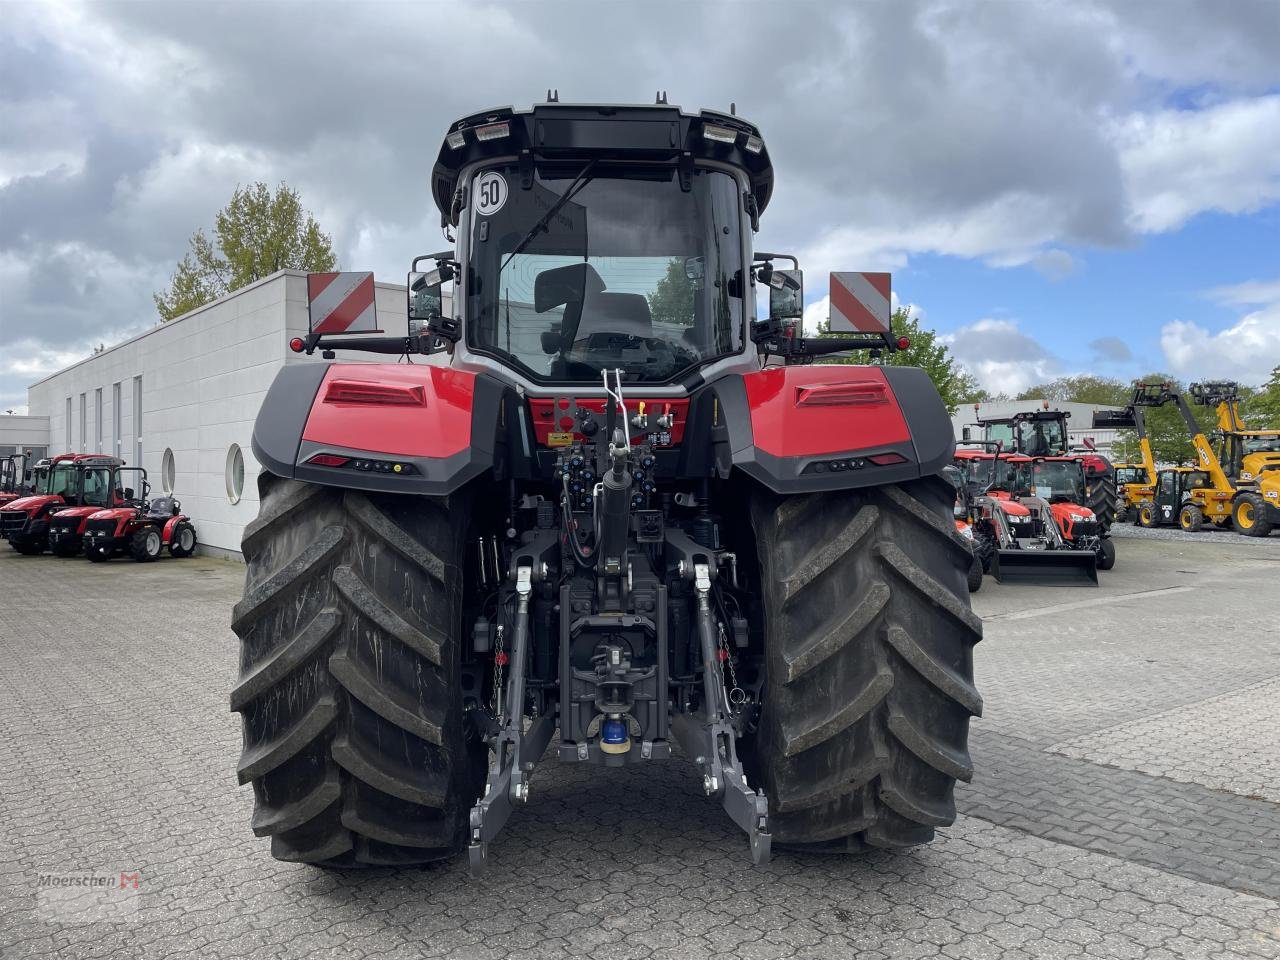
(116,413)
(68,425)
(137,421)
(84,424)
(168,472)
(97,418)
(235,473)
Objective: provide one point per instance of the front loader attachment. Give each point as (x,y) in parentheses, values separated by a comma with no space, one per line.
(1113,420)
(1068,568)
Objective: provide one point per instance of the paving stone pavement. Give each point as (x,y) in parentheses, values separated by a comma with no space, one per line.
(121,756)
(1230,742)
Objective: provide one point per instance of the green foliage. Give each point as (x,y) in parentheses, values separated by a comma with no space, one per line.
(1262,410)
(1081,389)
(673,296)
(954,383)
(255,234)
(1166,428)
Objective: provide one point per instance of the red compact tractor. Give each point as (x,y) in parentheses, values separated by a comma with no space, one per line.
(139,526)
(1043,433)
(99,486)
(25,522)
(622,508)
(1016,529)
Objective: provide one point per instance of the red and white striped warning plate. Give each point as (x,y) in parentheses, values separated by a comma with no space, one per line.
(860,302)
(341,303)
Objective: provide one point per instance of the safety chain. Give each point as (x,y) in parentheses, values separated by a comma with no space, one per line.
(737,696)
(499,661)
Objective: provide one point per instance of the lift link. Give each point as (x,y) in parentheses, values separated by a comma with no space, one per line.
(515,749)
(713,743)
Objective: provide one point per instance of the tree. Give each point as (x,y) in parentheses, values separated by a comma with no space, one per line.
(1081,389)
(255,234)
(954,383)
(1263,410)
(672,298)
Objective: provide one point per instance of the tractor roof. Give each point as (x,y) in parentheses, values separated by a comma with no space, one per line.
(1027,415)
(86,459)
(568,131)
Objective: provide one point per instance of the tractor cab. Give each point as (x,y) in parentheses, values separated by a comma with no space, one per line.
(102,486)
(1127,473)
(24,522)
(1036,433)
(1055,480)
(1174,497)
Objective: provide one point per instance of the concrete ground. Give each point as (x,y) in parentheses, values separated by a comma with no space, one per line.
(1126,801)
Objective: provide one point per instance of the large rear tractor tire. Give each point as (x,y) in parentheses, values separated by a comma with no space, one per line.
(869,689)
(350,686)
(1103,498)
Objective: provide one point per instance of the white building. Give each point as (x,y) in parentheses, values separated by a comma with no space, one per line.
(24,434)
(1079,423)
(181,398)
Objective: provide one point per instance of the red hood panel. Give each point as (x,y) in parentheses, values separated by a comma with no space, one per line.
(1012,507)
(406,410)
(30,504)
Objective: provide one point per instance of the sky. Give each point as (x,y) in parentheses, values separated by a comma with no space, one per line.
(1090,187)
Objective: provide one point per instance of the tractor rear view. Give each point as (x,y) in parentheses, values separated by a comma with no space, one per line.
(626,511)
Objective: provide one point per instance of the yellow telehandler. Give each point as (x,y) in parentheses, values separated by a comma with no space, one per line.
(1250,460)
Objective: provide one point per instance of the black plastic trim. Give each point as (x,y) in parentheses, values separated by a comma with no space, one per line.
(282,417)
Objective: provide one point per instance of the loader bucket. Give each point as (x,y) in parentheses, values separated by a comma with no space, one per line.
(1113,419)
(1068,568)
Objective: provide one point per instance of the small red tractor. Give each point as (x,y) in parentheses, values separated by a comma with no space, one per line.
(25,522)
(1059,484)
(100,486)
(626,518)
(1016,533)
(139,526)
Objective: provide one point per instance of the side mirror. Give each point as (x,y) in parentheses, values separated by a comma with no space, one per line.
(786,295)
(426,301)
(964,433)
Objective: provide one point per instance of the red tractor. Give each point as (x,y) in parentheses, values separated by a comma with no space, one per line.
(1016,532)
(25,522)
(13,478)
(138,526)
(1043,433)
(100,486)
(623,509)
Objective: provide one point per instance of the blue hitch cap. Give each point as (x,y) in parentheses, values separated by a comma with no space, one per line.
(613,731)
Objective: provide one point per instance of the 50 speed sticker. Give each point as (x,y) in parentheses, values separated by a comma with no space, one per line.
(491,193)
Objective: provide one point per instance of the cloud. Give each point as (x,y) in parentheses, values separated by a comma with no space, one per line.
(1248,293)
(1000,132)
(1246,351)
(1178,163)
(1110,350)
(1001,355)
(1054,264)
